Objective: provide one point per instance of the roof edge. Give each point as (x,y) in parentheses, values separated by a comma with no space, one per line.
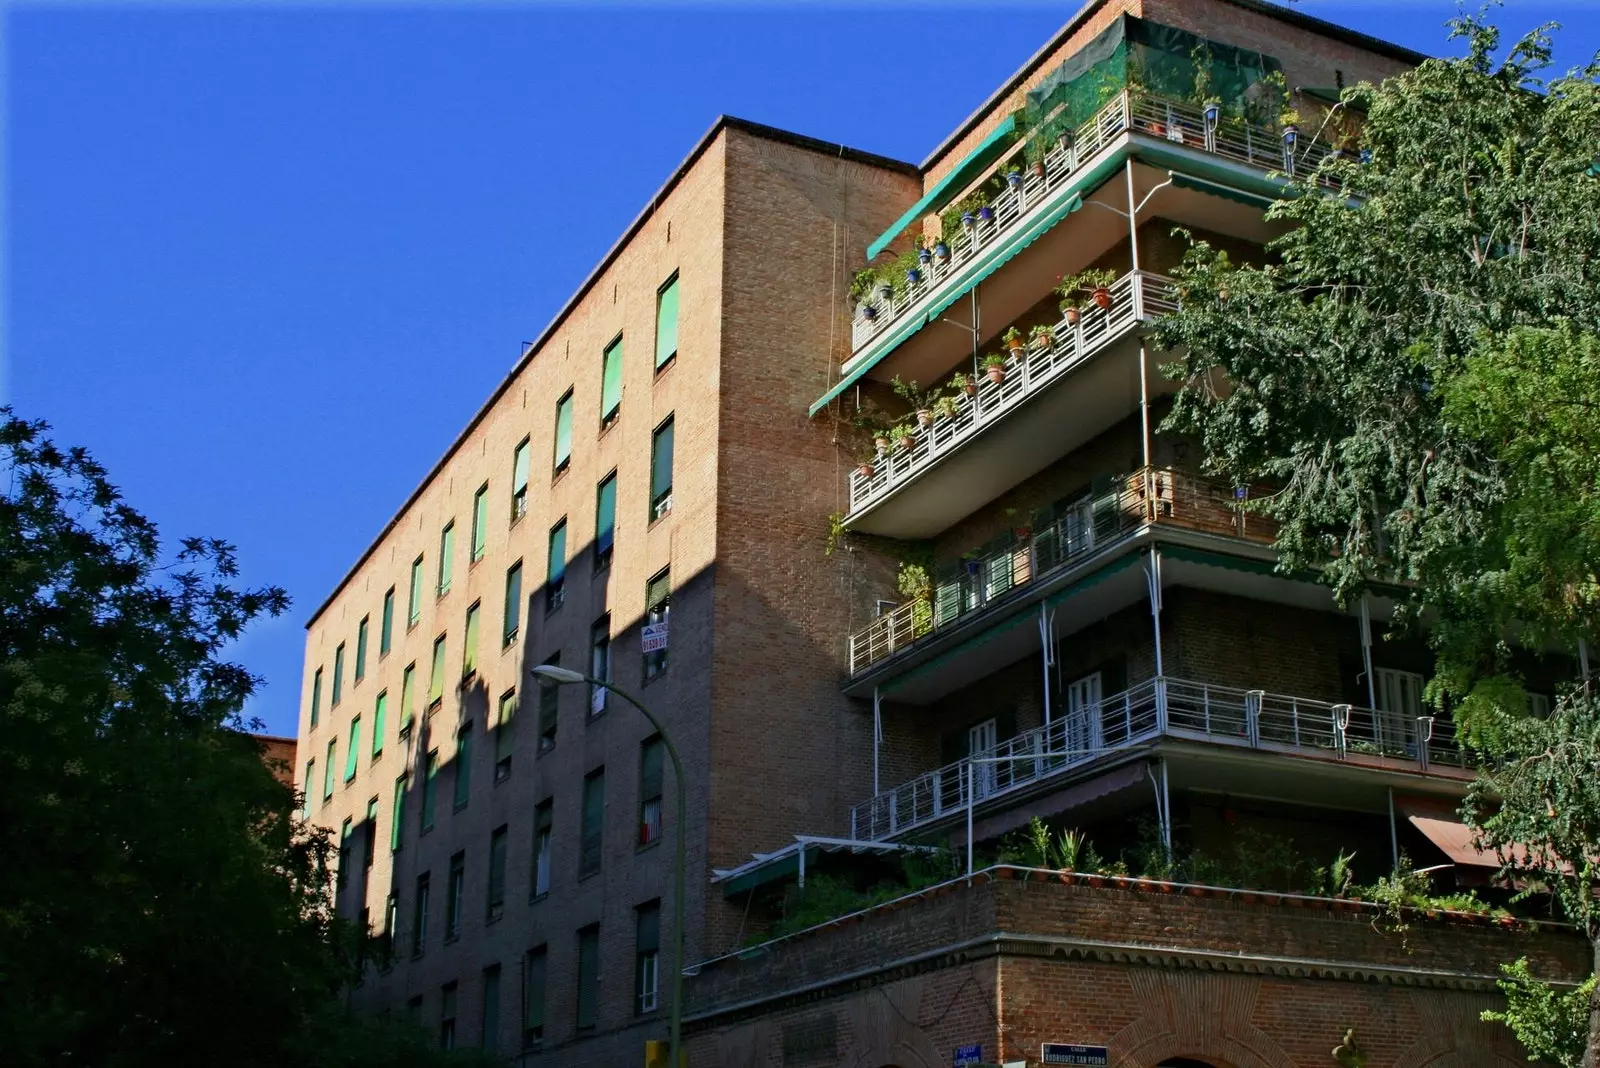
(723,122)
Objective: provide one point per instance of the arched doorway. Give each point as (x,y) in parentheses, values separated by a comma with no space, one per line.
(1185,1062)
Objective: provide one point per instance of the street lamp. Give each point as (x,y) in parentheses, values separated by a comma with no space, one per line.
(551,675)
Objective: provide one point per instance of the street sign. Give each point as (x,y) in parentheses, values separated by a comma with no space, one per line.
(968,1056)
(1063,1053)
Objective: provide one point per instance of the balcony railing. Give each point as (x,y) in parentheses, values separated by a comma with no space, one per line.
(1160,707)
(1152,495)
(1135,297)
(1180,123)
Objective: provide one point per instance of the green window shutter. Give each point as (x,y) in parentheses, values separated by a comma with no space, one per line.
(650,769)
(491,1007)
(519,481)
(408,691)
(436,678)
(386,631)
(353,752)
(338,676)
(563,431)
(397,817)
(661,470)
(588,976)
(414,609)
(605,518)
(429,788)
(513,613)
(316,695)
(611,381)
(503,736)
(648,935)
(463,785)
(310,785)
(497,868)
(556,564)
(480,521)
(361,649)
(447,552)
(593,826)
(469,659)
(533,998)
(327,768)
(667,322)
(380,716)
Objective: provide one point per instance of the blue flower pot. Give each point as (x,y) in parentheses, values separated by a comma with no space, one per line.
(967,219)
(913,275)
(1014,179)
(941,251)
(924,256)
(986,214)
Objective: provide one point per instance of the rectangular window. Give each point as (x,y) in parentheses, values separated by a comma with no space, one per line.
(408,694)
(447,555)
(447,1016)
(650,754)
(599,662)
(657,609)
(592,829)
(352,753)
(338,676)
(316,696)
(605,520)
(310,785)
(380,716)
(480,521)
(556,567)
(397,816)
(414,608)
(491,1007)
(667,322)
(453,889)
(419,917)
(369,852)
(430,776)
(519,481)
(391,920)
(386,626)
(503,736)
(611,382)
(533,971)
(661,471)
(361,648)
(513,614)
(563,432)
(327,769)
(436,677)
(647,957)
(343,871)
(497,872)
(469,652)
(549,710)
(463,784)
(543,831)
(588,977)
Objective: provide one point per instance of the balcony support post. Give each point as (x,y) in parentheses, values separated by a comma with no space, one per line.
(1153,580)
(1394,834)
(1133,220)
(1046,628)
(877,737)
(1366,651)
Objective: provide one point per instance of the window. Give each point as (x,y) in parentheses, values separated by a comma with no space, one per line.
(391,919)
(429,789)
(563,432)
(469,651)
(338,676)
(519,481)
(657,608)
(414,609)
(452,895)
(397,817)
(380,715)
(497,872)
(556,567)
(344,859)
(491,1007)
(419,917)
(310,785)
(352,754)
(599,662)
(503,737)
(533,966)
(593,826)
(543,824)
(549,710)
(447,552)
(667,322)
(661,471)
(611,382)
(480,521)
(513,615)
(316,696)
(447,1016)
(436,676)
(327,769)
(369,850)
(646,956)
(650,753)
(605,520)
(361,648)
(386,626)
(463,782)
(588,976)
(408,693)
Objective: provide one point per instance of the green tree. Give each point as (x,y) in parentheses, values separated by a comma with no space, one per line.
(1416,370)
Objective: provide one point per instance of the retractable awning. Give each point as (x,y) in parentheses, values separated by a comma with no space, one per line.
(960,176)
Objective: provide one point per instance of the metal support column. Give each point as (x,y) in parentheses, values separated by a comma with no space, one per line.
(1153,577)
(877,737)
(1394,834)
(970,795)
(1046,642)
(1366,651)
(1133,228)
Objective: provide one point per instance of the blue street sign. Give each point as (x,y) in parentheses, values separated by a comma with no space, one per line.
(967,1055)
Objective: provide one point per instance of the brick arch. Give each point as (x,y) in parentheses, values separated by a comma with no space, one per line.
(886,1033)
(1197,1016)
(1451,1034)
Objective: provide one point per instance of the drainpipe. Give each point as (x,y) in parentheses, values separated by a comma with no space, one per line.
(1133,233)
(1153,575)
(1366,651)
(1394,835)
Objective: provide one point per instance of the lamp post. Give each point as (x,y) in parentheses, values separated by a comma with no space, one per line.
(551,675)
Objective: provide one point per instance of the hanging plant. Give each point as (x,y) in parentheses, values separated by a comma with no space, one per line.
(1013,340)
(995,366)
(1094,283)
(963,383)
(1042,336)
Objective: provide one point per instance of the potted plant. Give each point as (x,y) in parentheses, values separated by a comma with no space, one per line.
(941,252)
(1013,175)
(1013,340)
(945,406)
(995,366)
(1289,125)
(921,401)
(864,465)
(1094,283)
(870,420)
(863,289)
(1043,336)
(963,382)
(902,436)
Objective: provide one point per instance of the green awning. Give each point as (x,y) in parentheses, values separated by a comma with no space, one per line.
(1328,94)
(1246,564)
(786,866)
(1094,578)
(1219,189)
(1016,244)
(959,177)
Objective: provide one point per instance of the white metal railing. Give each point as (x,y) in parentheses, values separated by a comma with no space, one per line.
(1142,113)
(1161,706)
(1135,297)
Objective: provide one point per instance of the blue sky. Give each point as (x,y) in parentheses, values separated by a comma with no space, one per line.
(265,262)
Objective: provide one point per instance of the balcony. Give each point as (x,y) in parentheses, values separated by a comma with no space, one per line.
(983,473)
(1026,207)
(1150,497)
(1164,707)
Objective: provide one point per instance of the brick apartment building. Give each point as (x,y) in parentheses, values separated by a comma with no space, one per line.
(1104,641)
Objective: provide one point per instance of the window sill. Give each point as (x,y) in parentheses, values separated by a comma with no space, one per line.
(502,775)
(654,843)
(584,877)
(666,365)
(665,515)
(607,422)
(560,472)
(458,806)
(426,830)
(602,564)
(451,939)
(494,917)
(509,642)
(536,898)
(376,757)
(658,676)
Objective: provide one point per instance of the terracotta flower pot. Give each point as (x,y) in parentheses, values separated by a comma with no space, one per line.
(1096,880)
(1102,297)
(882,443)
(925,416)
(1072,316)
(865,470)
(1038,169)
(1017,349)
(1045,341)
(1195,891)
(997,375)
(970,389)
